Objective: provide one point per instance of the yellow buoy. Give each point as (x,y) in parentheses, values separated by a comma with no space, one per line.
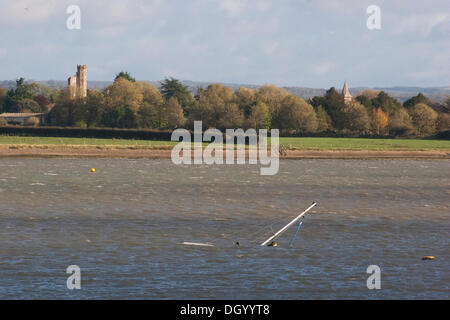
(273,244)
(93,170)
(428,258)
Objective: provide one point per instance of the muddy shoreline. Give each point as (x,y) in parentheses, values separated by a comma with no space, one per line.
(154,153)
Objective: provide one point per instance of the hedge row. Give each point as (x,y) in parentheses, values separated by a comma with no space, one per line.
(142,134)
(105,133)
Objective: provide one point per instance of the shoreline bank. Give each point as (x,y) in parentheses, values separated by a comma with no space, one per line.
(43,151)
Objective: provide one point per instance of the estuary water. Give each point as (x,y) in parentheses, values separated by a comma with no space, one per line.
(124,226)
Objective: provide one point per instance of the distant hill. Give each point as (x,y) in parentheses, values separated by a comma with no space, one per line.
(402,94)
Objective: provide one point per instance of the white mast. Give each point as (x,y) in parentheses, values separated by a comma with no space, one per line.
(282,230)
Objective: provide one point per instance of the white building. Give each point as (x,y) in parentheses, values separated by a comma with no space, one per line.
(22,118)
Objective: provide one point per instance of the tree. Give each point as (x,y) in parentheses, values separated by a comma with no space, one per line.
(43,102)
(123,99)
(365,101)
(124,75)
(151,94)
(124,93)
(94,104)
(260,116)
(28,105)
(369,93)
(420,98)
(111,117)
(424,119)
(273,97)
(297,115)
(3,93)
(379,120)
(388,104)
(443,122)
(400,123)
(447,104)
(174,114)
(21,92)
(332,102)
(246,100)
(119,117)
(67,111)
(324,122)
(151,113)
(151,116)
(128,118)
(229,116)
(174,88)
(354,117)
(217,108)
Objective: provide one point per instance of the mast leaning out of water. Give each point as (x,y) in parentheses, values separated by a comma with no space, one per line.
(282,230)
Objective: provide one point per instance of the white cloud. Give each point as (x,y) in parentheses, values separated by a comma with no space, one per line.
(119,11)
(233,7)
(270,48)
(323,68)
(421,74)
(420,24)
(264,5)
(20,12)
(104,12)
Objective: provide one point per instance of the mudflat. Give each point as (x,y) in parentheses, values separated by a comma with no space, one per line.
(81,151)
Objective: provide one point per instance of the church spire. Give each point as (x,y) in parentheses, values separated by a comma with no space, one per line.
(346,93)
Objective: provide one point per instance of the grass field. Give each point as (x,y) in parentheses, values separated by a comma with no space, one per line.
(364,144)
(35,141)
(289,143)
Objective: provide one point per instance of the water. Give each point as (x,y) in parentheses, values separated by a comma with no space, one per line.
(123,226)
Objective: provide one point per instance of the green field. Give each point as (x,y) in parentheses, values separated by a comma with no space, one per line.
(289,143)
(364,144)
(17,140)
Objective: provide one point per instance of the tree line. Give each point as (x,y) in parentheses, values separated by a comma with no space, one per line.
(128,103)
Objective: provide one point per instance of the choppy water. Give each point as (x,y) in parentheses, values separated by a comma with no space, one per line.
(123,226)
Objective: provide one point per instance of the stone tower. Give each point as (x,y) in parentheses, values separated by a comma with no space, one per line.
(346,93)
(78,83)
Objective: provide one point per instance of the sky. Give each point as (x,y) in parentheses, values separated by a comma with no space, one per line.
(306,43)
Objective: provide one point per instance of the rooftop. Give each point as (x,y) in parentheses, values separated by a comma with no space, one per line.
(14,115)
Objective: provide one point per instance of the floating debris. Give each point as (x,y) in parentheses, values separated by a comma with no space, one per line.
(198,244)
(428,258)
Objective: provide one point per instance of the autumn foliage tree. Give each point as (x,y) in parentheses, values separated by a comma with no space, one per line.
(424,119)
(217,108)
(354,117)
(324,122)
(296,115)
(174,116)
(127,103)
(400,123)
(379,120)
(259,116)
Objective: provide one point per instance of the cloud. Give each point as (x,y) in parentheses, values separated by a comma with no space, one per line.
(340,6)
(20,12)
(312,43)
(270,48)
(119,11)
(420,24)
(233,7)
(421,74)
(323,68)
(109,12)
(264,5)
